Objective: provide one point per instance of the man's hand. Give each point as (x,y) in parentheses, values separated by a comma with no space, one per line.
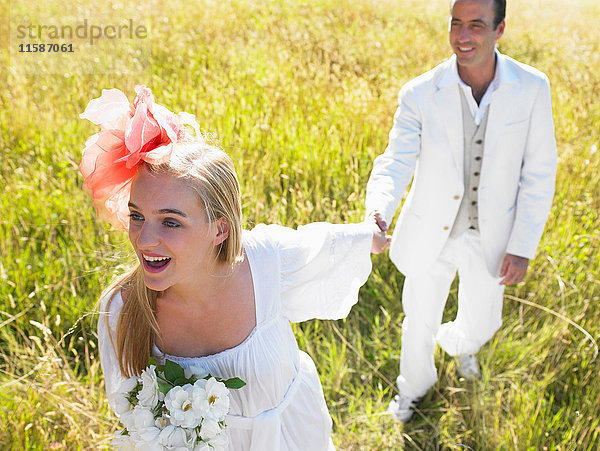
(513,269)
(381,241)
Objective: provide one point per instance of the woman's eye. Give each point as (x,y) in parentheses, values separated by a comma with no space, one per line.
(136,216)
(170,223)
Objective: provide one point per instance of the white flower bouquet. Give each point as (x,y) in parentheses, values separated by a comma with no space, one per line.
(169,408)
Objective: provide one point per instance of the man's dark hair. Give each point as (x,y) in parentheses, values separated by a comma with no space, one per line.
(499,12)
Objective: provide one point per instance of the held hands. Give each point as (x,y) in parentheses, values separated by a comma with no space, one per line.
(513,269)
(381,241)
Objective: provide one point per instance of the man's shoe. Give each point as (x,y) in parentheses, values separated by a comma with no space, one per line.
(468,367)
(401,408)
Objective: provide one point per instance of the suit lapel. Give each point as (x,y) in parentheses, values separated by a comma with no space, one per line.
(447,100)
(501,112)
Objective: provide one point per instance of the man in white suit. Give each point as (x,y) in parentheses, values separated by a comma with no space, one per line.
(478,135)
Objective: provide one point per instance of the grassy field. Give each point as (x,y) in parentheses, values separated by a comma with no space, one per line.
(301,94)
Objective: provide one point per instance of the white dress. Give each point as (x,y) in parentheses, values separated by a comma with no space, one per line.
(313,272)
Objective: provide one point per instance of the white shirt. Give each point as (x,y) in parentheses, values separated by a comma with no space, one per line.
(478,111)
(313,272)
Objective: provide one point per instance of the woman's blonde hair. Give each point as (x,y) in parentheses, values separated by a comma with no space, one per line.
(211,174)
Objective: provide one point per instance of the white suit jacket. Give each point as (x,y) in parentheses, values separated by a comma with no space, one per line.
(518,169)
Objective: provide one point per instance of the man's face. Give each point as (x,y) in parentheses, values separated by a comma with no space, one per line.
(472,34)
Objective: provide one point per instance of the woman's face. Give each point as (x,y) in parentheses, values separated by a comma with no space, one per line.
(170,232)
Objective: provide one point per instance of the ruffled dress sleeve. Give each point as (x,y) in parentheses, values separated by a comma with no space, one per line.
(107,336)
(322,267)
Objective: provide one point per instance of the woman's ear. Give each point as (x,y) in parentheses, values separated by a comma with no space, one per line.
(222,230)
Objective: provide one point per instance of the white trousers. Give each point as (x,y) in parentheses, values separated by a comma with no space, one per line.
(479,313)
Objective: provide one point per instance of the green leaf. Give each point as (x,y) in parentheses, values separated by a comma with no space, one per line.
(152,361)
(234,383)
(164,387)
(173,371)
(180,381)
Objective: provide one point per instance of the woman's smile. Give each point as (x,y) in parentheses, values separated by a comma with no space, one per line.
(155,263)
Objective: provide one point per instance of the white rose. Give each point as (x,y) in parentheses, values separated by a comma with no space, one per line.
(148,395)
(148,439)
(199,403)
(162,422)
(136,418)
(202,446)
(210,428)
(135,438)
(219,442)
(173,437)
(179,403)
(118,400)
(211,399)
(195,370)
(128,420)
(123,442)
(142,417)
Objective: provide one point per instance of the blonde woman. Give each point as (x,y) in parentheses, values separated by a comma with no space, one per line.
(205,293)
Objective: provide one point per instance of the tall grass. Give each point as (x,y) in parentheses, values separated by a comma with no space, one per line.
(301,94)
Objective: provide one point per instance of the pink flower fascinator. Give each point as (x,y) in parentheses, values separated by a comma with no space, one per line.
(129,135)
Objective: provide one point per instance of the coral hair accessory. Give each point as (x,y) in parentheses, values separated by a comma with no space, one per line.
(129,135)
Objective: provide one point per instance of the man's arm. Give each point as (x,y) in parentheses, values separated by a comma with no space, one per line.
(537,180)
(393,170)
